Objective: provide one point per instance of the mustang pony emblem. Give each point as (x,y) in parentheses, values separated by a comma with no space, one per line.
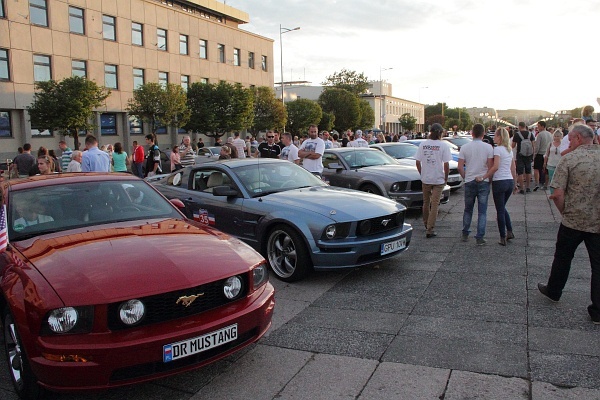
(188,300)
(385,222)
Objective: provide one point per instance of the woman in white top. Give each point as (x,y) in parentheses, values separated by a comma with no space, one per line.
(503,175)
(553,155)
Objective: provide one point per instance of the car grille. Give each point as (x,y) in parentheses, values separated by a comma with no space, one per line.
(416,186)
(376,225)
(163,307)
(453,172)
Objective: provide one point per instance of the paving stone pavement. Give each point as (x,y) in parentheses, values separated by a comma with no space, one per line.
(444,320)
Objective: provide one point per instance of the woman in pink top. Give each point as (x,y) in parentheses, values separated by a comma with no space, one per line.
(175,159)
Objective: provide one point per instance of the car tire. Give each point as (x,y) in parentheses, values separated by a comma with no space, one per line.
(287,254)
(21,375)
(370,188)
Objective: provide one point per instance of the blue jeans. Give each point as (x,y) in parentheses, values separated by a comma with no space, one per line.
(550,175)
(501,190)
(480,191)
(137,169)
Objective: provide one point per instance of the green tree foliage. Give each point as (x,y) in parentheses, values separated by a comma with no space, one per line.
(327,122)
(344,105)
(407,122)
(367,115)
(349,80)
(434,119)
(268,111)
(157,105)
(66,106)
(301,114)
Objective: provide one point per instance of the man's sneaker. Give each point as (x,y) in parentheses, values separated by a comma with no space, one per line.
(535,189)
(544,187)
(522,191)
(510,235)
(544,290)
(595,319)
(528,190)
(430,235)
(481,241)
(465,237)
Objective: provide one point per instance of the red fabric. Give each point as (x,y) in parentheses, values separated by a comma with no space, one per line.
(138,155)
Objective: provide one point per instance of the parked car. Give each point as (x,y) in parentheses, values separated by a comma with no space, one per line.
(293,218)
(405,154)
(105,283)
(453,148)
(458,141)
(373,171)
(205,154)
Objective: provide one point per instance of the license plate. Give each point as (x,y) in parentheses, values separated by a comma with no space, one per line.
(189,347)
(390,247)
(453,179)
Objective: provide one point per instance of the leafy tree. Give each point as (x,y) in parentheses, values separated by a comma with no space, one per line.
(367,115)
(434,119)
(407,121)
(327,122)
(66,106)
(268,111)
(302,113)
(349,80)
(435,109)
(344,105)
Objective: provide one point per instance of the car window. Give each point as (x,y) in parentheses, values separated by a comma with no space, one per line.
(401,151)
(330,158)
(362,158)
(259,179)
(206,179)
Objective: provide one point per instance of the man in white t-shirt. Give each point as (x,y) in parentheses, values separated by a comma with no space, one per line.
(474,160)
(358,140)
(311,152)
(289,151)
(433,159)
(240,145)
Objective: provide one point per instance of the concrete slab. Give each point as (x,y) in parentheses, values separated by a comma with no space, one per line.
(468,309)
(565,369)
(547,391)
(565,341)
(472,386)
(400,303)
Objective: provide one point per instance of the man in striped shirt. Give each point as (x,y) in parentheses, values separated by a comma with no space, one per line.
(65,158)
(186,152)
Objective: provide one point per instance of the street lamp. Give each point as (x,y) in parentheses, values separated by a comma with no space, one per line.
(382,97)
(283,30)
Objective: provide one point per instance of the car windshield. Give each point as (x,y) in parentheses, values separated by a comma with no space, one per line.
(400,151)
(54,208)
(367,158)
(459,141)
(264,178)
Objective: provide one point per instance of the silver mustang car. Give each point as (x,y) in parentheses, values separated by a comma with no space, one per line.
(373,171)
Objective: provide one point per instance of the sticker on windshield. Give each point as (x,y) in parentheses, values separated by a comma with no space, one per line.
(204,217)
(18,227)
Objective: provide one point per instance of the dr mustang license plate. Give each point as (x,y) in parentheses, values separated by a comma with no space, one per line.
(188,347)
(390,247)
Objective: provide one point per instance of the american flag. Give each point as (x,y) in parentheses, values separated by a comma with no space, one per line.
(3,229)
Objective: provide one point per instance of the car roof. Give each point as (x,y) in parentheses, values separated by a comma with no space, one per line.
(66,178)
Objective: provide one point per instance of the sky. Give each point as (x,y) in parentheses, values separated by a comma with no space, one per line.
(522,54)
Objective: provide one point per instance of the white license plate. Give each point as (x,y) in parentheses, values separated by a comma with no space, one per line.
(390,247)
(188,347)
(453,179)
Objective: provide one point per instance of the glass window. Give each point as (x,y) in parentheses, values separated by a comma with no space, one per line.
(221,48)
(136,127)
(183,44)
(76,22)
(137,34)
(111,80)
(163,78)
(250,60)
(203,80)
(138,77)
(109,27)
(203,46)
(5,124)
(41,68)
(40,132)
(78,68)
(161,39)
(108,124)
(38,12)
(2,14)
(4,71)
(263,63)
(185,82)
(236,57)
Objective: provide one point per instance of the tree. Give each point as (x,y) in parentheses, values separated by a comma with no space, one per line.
(343,105)
(268,111)
(439,119)
(407,121)
(66,106)
(302,113)
(157,105)
(351,81)
(327,122)
(367,115)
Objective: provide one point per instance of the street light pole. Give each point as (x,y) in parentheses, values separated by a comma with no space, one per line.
(283,30)
(382,98)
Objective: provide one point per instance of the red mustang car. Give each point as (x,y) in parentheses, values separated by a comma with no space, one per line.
(105,283)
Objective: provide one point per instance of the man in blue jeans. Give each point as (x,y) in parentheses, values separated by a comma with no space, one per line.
(474,160)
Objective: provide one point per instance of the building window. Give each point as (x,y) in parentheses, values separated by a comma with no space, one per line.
(38,12)
(4,71)
(263,63)
(5,124)
(76,24)
(137,34)
(2,14)
(183,44)
(109,27)
(111,80)
(136,127)
(78,68)
(236,57)
(203,80)
(163,78)
(185,82)
(41,68)
(203,49)
(108,124)
(250,60)
(35,131)
(138,78)
(161,39)
(221,48)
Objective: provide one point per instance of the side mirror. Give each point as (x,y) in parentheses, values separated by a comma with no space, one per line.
(224,190)
(177,203)
(334,166)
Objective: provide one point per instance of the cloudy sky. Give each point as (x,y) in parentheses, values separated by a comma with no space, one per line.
(525,54)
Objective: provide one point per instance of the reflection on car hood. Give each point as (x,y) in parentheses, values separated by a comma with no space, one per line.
(339,204)
(111,263)
(395,172)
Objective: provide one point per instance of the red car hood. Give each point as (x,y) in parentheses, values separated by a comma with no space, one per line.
(111,263)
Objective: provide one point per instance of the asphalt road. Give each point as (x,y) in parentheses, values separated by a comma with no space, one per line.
(444,320)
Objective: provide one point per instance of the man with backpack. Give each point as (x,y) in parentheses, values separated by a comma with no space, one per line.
(523,141)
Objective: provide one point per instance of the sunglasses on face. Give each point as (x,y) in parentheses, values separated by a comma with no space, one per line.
(270,137)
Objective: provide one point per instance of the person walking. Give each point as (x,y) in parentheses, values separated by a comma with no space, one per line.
(540,146)
(553,156)
(433,157)
(503,174)
(474,160)
(576,184)
(523,142)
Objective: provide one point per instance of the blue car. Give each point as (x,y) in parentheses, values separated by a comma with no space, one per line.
(297,221)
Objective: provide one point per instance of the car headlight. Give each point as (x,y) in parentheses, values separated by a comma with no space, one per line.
(260,275)
(132,311)
(330,231)
(68,320)
(395,187)
(232,287)
(336,231)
